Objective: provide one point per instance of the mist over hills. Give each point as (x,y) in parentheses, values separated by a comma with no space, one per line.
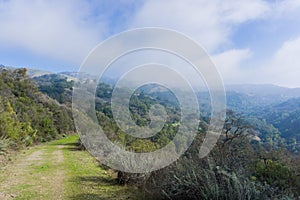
(272,110)
(262,121)
(265,93)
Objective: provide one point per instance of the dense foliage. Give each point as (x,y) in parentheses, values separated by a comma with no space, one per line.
(139,107)
(27,116)
(255,157)
(286,118)
(237,168)
(56,86)
(276,117)
(241,166)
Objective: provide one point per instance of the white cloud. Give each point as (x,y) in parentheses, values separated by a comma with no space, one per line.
(243,10)
(286,9)
(209,22)
(67,30)
(284,67)
(55,29)
(229,65)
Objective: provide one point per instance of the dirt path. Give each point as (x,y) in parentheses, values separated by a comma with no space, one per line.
(59,170)
(34,175)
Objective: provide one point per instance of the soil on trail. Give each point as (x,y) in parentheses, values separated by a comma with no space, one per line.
(59,170)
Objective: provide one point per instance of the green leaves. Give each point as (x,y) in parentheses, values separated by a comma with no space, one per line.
(273,172)
(26,115)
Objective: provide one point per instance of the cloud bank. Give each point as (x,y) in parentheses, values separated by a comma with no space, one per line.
(56,29)
(67,31)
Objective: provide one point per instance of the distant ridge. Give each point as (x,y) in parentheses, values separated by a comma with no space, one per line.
(264,90)
(30,71)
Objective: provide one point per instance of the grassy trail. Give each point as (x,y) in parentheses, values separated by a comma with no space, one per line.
(59,170)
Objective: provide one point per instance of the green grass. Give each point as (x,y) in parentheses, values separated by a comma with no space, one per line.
(71,139)
(87,179)
(81,176)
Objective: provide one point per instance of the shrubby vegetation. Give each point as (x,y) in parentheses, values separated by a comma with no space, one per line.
(286,118)
(27,116)
(275,117)
(139,106)
(239,167)
(56,86)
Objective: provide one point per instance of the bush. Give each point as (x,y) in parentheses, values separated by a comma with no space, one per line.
(274,173)
(4,144)
(26,115)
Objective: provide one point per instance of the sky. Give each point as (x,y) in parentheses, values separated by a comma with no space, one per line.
(250,41)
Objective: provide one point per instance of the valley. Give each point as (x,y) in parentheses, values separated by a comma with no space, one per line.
(257,154)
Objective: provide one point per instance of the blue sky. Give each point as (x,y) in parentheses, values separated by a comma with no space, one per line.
(250,41)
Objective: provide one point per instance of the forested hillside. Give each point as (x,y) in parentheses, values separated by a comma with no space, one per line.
(286,118)
(250,160)
(28,116)
(56,86)
(273,114)
(253,159)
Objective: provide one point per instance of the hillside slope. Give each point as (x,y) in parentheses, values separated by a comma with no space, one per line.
(28,116)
